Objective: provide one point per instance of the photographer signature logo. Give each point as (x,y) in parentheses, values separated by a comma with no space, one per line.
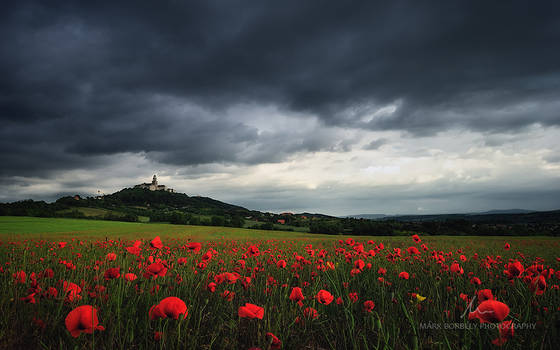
(469,309)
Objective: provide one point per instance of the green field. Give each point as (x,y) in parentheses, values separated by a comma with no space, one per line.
(99,212)
(15,226)
(87,211)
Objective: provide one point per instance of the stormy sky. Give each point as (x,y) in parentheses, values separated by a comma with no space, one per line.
(338,107)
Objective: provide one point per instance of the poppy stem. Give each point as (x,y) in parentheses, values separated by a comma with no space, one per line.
(415,333)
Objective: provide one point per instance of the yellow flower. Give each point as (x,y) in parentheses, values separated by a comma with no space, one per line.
(420,298)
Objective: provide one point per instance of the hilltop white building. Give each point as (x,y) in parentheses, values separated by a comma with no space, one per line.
(153,186)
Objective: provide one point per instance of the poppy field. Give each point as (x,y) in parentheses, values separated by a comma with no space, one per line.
(342,292)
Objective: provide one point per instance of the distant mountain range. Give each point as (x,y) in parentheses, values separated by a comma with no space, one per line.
(490,212)
(509,216)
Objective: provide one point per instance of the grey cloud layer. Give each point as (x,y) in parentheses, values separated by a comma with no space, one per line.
(85,80)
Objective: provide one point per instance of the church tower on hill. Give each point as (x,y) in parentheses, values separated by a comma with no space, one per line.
(154,186)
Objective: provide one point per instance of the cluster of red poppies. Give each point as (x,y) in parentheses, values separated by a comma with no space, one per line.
(220,266)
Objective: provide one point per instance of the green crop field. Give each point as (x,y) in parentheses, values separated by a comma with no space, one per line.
(55,228)
(15,226)
(89,211)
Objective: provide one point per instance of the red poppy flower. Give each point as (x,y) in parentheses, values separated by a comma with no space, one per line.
(246,282)
(296,294)
(51,293)
(194,247)
(228,277)
(82,319)
(358,248)
(48,273)
(506,332)
(228,295)
(514,269)
(275,342)
(30,299)
(253,251)
(19,277)
(507,246)
(156,243)
(484,294)
(359,264)
(490,311)
(413,250)
(211,287)
(404,275)
(135,249)
(456,268)
(251,311)
(281,264)
(130,276)
(311,313)
(170,307)
(112,273)
(369,305)
(155,269)
(355,272)
(324,297)
(208,255)
(72,291)
(538,285)
(476,280)
(111,256)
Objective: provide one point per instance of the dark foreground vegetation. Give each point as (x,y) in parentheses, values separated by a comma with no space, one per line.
(182,292)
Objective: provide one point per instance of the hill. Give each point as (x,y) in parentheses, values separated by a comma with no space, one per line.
(143,198)
(140,204)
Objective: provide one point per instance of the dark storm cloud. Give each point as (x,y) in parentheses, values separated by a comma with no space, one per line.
(375,144)
(88,79)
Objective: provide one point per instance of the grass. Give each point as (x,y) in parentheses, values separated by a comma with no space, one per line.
(53,228)
(280,227)
(32,227)
(89,211)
